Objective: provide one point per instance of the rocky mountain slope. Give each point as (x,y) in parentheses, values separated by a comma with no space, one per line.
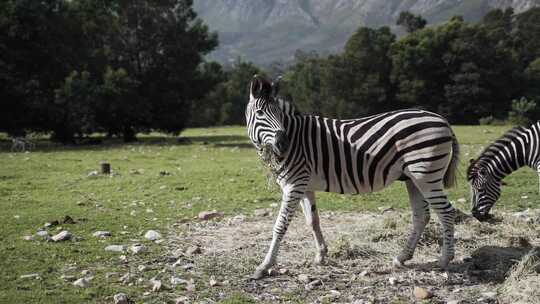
(264,31)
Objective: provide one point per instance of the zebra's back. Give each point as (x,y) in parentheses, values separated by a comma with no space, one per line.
(367,154)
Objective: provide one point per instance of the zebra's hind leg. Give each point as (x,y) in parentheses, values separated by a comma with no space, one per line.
(436,198)
(312,220)
(288,207)
(420,217)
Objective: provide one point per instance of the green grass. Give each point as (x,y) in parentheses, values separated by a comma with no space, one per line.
(217,170)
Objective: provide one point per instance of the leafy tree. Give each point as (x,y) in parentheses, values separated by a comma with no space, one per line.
(411,22)
(523,111)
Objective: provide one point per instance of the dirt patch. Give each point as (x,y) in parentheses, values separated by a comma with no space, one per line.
(359,269)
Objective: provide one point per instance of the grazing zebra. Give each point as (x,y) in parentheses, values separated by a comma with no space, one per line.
(517,148)
(354,156)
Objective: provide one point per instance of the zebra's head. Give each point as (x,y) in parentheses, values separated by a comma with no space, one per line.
(265,118)
(485,188)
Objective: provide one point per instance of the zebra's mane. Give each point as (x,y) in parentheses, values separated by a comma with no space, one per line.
(492,148)
(287,107)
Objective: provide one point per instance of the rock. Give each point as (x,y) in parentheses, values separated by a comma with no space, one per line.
(392,281)
(188,266)
(126,278)
(333,295)
(152,235)
(208,215)
(462,200)
(68,220)
(422,293)
(68,278)
(313,284)
(272,272)
(364,273)
(93,173)
(164,173)
(51,224)
(31,276)
(262,212)
(181,300)
(137,248)
(192,250)
(86,272)
(304,278)
(156,285)
(453,302)
(142,268)
(178,281)
(82,283)
(524,197)
(115,248)
(283,271)
(64,235)
(121,298)
(101,234)
(213,282)
(28,237)
(489,295)
(42,233)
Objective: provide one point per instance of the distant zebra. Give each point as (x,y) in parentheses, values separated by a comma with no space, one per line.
(517,148)
(354,156)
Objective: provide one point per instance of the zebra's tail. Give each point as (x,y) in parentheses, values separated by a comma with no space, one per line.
(450,177)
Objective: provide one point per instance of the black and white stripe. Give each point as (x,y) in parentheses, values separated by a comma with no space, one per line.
(355,156)
(517,148)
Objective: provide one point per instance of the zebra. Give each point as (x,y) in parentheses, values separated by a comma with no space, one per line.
(517,148)
(353,156)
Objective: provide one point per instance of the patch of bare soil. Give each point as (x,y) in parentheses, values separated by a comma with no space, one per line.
(494,261)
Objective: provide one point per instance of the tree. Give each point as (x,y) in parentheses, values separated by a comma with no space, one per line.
(411,22)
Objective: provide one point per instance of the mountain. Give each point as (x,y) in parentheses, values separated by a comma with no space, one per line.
(265,31)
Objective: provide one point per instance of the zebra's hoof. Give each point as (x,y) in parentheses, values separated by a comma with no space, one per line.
(319,260)
(397,263)
(259,274)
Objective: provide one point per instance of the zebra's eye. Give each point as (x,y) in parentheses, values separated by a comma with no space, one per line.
(259,113)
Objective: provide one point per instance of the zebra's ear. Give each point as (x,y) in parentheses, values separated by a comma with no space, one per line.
(260,87)
(275,86)
(471,161)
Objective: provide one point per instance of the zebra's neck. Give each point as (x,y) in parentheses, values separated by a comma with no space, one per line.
(517,148)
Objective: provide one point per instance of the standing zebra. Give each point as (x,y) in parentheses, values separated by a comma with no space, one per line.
(516,148)
(354,156)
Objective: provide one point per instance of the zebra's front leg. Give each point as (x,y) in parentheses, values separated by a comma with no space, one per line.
(420,217)
(312,220)
(286,212)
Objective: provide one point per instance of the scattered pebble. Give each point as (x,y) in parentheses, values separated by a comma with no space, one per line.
(115,248)
(82,283)
(422,293)
(68,220)
(152,235)
(156,285)
(31,276)
(313,284)
(262,212)
(51,224)
(101,234)
(178,281)
(304,278)
(181,300)
(192,250)
(213,282)
(28,238)
(121,298)
(137,248)
(64,235)
(208,215)
(283,271)
(392,280)
(42,233)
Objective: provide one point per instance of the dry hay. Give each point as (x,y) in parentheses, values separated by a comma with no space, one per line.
(361,247)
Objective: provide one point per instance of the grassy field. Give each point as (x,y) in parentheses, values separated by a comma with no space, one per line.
(157,182)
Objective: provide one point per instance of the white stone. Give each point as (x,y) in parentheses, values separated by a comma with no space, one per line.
(28,238)
(208,215)
(137,248)
(82,283)
(115,248)
(156,285)
(392,281)
(64,235)
(102,234)
(152,235)
(42,233)
(461,200)
(121,298)
(31,276)
(178,281)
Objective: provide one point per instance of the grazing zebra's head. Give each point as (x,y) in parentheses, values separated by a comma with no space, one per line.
(485,188)
(265,118)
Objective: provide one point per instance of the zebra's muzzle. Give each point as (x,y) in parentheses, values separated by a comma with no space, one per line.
(281,143)
(481,216)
